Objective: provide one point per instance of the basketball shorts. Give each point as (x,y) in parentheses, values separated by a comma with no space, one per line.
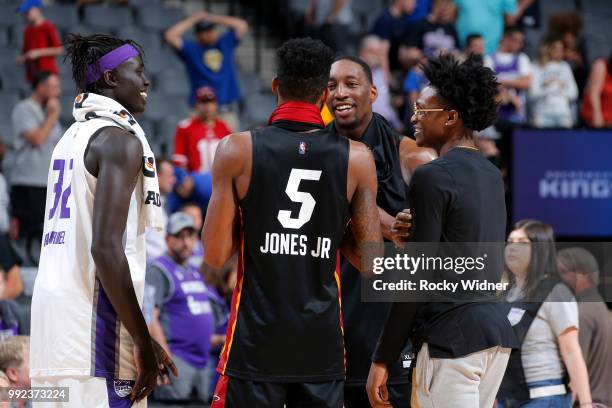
(90,392)
(233,392)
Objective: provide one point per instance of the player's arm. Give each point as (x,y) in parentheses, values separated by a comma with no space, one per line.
(220,235)
(115,158)
(118,156)
(362,187)
(157,332)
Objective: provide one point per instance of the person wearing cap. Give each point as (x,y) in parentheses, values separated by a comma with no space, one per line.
(41,43)
(183,318)
(579,270)
(209,60)
(197,137)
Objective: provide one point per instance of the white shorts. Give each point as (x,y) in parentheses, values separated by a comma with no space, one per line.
(90,392)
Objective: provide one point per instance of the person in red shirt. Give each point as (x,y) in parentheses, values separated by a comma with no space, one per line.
(41,43)
(197,137)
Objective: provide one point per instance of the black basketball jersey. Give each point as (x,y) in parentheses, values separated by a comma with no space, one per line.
(365,320)
(286,323)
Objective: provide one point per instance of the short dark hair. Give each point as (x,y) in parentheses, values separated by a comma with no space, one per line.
(364,65)
(39,77)
(303,69)
(468,86)
(86,50)
(472,37)
(509,30)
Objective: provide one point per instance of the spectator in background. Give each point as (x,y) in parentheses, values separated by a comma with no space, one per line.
(10,264)
(9,312)
(196,138)
(414,82)
(195,212)
(156,239)
(436,33)
(485,18)
(209,60)
(597,99)
(37,130)
(544,315)
(41,43)
(4,383)
(5,200)
(579,270)
(374,52)
(474,45)
(330,21)
(391,25)
(568,26)
(553,88)
(183,320)
(514,72)
(15,362)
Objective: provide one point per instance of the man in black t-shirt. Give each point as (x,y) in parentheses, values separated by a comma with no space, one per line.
(396,158)
(436,33)
(458,198)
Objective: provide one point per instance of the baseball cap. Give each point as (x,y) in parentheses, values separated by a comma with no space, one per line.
(28,4)
(204,26)
(178,222)
(205,94)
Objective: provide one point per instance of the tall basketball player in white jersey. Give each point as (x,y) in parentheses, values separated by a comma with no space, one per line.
(88,332)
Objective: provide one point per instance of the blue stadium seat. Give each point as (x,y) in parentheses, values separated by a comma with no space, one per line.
(8,99)
(4,37)
(160,60)
(150,41)
(160,106)
(108,17)
(64,16)
(158,17)
(173,82)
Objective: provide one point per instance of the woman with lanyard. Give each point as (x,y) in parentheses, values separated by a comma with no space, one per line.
(544,315)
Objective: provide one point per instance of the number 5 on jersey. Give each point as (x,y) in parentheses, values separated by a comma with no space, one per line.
(306,199)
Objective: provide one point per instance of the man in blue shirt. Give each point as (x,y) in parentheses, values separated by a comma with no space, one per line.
(209,60)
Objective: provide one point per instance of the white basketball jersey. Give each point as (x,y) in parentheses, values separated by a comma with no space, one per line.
(75,330)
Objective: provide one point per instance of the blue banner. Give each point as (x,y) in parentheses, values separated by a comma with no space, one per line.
(564,178)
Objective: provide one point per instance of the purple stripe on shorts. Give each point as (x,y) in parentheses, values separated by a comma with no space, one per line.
(107,325)
(118,392)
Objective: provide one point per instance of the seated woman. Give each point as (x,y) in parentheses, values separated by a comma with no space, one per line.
(544,315)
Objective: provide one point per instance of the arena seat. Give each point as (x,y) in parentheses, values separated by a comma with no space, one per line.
(149,41)
(157,17)
(108,17)
(173,82)
(64,16)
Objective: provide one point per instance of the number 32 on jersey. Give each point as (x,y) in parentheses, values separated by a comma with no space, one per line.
(297,244)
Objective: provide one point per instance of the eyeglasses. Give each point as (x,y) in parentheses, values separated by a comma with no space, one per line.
(419,112)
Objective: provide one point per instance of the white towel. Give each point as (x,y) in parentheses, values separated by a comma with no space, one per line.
(89,106)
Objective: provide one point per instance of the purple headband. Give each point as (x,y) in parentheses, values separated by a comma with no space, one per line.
(110,60)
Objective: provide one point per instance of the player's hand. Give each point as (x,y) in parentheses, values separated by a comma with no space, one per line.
(165,364)
(400,229)
(377,386)
(147,370)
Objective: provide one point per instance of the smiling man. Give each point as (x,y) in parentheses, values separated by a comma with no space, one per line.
(88,332)
(351,95)
(458,198)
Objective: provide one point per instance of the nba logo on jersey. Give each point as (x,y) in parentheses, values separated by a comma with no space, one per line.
(302,149)
(123,388)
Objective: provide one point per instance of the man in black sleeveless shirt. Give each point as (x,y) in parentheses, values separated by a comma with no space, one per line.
(283,196)
(459,198)
(351,94)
